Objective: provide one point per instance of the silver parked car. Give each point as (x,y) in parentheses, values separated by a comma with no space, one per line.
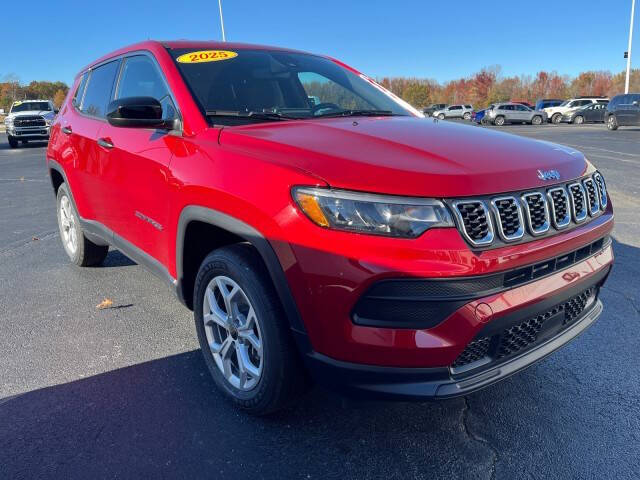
(502,113)
(454,111)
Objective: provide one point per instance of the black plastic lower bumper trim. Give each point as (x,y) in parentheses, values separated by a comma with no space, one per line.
(432,383)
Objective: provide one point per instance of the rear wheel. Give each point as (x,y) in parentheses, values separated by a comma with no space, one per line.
(556,119)
(80,250)
(612,122)
(243,332)
(441,116)
(499,121)
(466,116)
(578,120)
(537,120)
(13,143)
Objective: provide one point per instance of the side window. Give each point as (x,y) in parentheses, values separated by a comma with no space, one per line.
(141,78)
(99,89)
(456,107)
(77,97)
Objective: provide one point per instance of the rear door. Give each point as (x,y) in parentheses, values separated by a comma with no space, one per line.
(83,125)
(136,164)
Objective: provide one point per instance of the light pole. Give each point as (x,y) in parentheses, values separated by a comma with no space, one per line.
(222,20)
(626,82)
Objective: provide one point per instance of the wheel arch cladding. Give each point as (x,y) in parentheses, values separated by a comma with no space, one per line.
(220,229)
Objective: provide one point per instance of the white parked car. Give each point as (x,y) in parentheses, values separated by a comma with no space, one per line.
(564,111)
(29,120)
(455,111)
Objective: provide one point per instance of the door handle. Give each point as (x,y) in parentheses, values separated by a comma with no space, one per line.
(67,130)
(105,142)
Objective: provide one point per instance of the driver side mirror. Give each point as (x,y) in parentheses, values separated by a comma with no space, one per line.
(137,112)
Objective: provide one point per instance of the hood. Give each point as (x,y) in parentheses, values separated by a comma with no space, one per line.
(407,155)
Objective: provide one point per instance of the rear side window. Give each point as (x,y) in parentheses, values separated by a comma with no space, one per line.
(99,89)
(77,98)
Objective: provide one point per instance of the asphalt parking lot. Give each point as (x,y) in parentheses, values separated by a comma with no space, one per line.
(123,392)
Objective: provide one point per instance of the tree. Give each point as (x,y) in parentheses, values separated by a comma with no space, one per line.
(59,97)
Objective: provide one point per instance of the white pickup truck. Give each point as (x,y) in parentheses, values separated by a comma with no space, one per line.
(29,120)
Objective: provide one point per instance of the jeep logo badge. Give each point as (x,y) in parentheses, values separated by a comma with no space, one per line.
(548,175)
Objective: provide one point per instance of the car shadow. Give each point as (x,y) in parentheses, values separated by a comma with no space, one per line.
(115,258)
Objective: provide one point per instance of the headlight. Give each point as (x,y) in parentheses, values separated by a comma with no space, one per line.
(370,213)
(8,121)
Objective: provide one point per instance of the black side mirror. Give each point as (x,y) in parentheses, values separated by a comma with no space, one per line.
(139,112)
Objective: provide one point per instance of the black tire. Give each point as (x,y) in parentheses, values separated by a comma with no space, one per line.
(441,116)
(556,118)
(612,122)
(578,120)
(466,116)
(499,121)
(283,379)
(13,143)
(87,253)
(537,120)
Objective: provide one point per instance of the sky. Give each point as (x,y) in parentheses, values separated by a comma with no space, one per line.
(441,40)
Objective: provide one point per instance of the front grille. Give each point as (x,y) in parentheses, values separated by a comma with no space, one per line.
(602,190)
(508,218)
(537,213)
(522,216)
(29,121)
(524,335)
(592,196)
(476,222)
(578,202)
(559,206)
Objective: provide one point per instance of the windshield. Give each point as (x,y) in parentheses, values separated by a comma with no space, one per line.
(565,103)
(26,106)
(230,85)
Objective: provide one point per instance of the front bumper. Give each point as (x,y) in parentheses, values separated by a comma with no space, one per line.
(561,323)
(29,133)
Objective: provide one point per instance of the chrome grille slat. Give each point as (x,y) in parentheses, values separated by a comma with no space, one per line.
(602,190)
(536,212)
(593,202)
(509,221)
(475,221)
(578,202)
(560,212)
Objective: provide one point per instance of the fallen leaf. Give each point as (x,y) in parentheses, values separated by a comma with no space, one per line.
(106,303)
(35,239)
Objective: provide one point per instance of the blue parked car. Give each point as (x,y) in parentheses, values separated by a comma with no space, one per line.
(479,115)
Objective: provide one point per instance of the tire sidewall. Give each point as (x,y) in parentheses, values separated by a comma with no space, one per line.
(537,120)
(580,121)
(556,119)
(499,121)
(214,265)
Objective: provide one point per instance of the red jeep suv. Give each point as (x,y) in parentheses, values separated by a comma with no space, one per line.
(320,228)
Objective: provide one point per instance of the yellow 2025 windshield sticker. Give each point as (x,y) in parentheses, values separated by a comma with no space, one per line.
(206,56)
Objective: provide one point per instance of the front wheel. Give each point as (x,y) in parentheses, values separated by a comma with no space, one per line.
(243,332)
(556,119)
(499,121)
(466,116)
(578,120)
(80,250)
(441,116)
(537,120)
(612,122)
(13,143)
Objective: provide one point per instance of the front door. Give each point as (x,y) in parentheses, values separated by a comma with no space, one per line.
(136,163)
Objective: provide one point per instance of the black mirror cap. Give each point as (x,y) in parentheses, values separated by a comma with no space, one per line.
(140,112)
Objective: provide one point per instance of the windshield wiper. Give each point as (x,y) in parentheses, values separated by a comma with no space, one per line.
(357,113)
(257,115)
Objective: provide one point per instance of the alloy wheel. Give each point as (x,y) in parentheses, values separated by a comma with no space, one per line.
(68,227)
(233,333)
